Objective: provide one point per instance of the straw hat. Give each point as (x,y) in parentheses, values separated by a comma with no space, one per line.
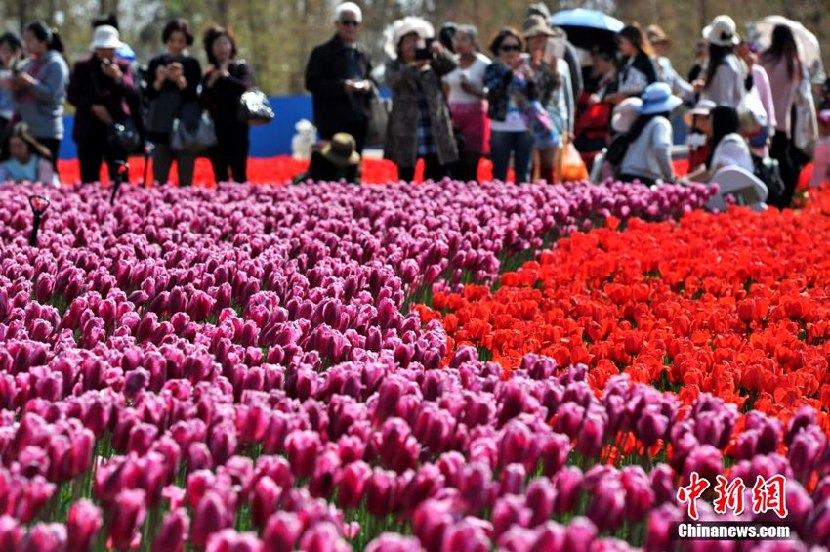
(536,25)
(656,35)
(722,31)
(625,113)
(341,150)
(106,36)
(657,98)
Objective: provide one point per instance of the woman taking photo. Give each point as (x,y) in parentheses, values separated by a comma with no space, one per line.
(40,88)
(419,125)
(465,95)
(785,75)
(513,107)
(174,78)
(637,69)
(104,93)
(648,158)
(723,77)
(225,80)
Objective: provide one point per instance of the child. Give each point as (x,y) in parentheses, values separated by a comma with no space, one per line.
(821,155)
(29,160)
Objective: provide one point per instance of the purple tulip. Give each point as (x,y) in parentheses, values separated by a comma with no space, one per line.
(44,538)
(392,542)
(127,516)
(211,514)
(282,532)
(82,525)
(172,535)
(11,533)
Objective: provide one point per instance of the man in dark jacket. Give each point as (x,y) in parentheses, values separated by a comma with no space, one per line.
(338,77)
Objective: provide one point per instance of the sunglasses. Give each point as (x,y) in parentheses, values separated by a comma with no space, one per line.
(510,48)
(350,23)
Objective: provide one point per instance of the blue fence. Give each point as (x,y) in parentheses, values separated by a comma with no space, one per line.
(275,138)
(266,140)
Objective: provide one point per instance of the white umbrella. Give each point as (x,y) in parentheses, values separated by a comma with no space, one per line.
(808,46)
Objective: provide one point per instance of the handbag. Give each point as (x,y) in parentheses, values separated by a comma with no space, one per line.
(124,136)
(254,108)
(752,113)
(193,137)
(573,166)
(768,172)
(379,109)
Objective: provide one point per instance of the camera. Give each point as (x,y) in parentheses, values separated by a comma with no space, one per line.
(425,54)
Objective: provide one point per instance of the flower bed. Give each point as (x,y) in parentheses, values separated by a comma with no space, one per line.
(737,306)
(238,369)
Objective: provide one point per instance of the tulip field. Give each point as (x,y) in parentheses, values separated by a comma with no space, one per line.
(437,367)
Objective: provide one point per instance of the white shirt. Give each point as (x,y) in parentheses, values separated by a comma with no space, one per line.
(727,86)
(733,150)
(650,154)
(474,75)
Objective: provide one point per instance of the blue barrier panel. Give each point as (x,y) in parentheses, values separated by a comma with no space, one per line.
(266,140)
(275,138)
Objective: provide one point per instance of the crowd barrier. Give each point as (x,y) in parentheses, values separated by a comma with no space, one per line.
(274,138)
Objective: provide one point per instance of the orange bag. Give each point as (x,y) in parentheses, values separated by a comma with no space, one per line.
(573,168)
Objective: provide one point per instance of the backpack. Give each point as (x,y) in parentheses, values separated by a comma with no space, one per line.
(767,171)
(615,153)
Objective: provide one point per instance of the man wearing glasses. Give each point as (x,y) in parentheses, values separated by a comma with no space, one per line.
(338,77)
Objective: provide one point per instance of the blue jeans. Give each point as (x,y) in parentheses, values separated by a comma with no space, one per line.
(502,144)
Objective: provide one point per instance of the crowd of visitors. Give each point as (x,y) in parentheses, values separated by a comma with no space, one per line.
(524,107)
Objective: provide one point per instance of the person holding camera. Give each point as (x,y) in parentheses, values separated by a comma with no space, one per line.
(173,89)
(223,84)
(40,86)
(420,125)
(104,94)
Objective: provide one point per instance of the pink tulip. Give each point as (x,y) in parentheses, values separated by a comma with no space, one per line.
(282,531)
(82,525)
(392,542)
(264,501)
(231,541)
(172,535)
(11,533)
(302,447)
(464,537)
(210,515)
(353,479)
(323,537)
(127,516)
(380,493)
(44,538)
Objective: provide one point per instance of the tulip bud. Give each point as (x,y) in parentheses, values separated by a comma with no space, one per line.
(211,515)
(11,533)
(264,501)
(282,532)
(82,525)
(44,538)
(127,516)
(172,535)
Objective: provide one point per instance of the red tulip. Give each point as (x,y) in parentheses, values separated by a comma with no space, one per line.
(82,525)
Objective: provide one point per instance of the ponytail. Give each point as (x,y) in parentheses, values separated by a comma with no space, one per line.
(43,33)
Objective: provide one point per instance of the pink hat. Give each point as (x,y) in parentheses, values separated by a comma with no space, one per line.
(824,116)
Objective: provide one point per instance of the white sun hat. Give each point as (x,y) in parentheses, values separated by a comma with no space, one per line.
(106,36)
(403,27)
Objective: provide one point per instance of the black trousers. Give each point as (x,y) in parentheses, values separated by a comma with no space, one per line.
(782,150)
(358,131)
(94,152)
(230,156)
(433,170)
(466,168)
